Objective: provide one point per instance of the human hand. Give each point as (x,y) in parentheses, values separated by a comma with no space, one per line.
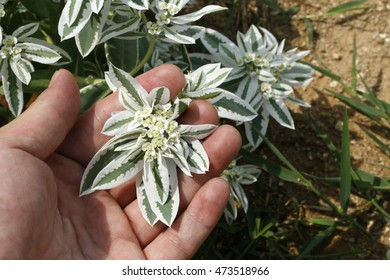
(43,154)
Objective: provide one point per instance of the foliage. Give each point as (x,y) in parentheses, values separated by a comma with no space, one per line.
(249,80)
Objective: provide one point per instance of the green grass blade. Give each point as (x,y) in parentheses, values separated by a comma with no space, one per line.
(315,241)
(310,32)
(359,106)
(325,137)
(272,168)
(345,167)
(385,148)
(345,7)
(353,69)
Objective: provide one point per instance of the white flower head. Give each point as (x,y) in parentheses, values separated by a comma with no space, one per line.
(17,52)
(264,72)
(150,144)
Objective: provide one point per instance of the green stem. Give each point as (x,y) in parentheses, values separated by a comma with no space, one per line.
(147,56)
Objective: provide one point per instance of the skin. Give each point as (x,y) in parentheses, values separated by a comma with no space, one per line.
(43,154)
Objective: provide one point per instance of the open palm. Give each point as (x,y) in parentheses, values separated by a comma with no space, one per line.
(43,154)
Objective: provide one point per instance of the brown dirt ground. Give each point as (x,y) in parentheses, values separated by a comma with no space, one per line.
(332,47)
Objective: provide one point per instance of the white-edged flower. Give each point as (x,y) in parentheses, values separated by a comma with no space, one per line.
(150,144)
(17,52)
(236,176)
(204,82)
(266,75)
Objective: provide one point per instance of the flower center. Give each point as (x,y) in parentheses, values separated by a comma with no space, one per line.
(161,131)
(10,48)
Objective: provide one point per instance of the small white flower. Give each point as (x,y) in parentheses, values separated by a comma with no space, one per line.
(154,28)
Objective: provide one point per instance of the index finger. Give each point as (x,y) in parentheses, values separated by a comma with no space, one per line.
(85,138)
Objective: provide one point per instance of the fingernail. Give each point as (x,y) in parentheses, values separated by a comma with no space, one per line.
(54,78)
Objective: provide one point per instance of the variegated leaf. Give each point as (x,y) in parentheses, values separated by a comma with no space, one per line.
(212,39)
(71,11)
(230,55)
(188,18)
(144,204)
(177,38)
(279,111)
(232,107)
(118,123)
(212,95)
(167,212)
(89,36)
(65,58)
(252,172)
(253,39)
(156,180)
(25,31)
(132,94)
(120,170)
(97,5)
(68,30)
(102,158)
(118,29)
(256,128)
(179,157)
(21,71)
(196,131)
(230,211)
(13,90)
(247,88)
(159,95)
(137,4)
(39,53)
(298,102)
(239,194)
(197,157)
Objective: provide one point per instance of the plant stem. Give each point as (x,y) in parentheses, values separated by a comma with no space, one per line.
(147,56)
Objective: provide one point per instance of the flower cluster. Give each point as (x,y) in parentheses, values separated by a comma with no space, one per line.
(148,143)
(93,22)
(17,53)
(265,75)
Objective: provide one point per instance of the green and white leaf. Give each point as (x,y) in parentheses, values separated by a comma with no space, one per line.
(196,131)
(230,106)
(25,31)
(212,39)
(21,71)
(230,211)
(65,57)
(257,127)
(97,5)
(197,157)
(144,204)
(279,111)
(137,4)
(239,194)
(156,178)
(178,34)
(120,170)
(88,38)
(188,18)
(71,11)
(39,53)
(132,95)
(13,89)
(77,21)
(119,123)
(118,29)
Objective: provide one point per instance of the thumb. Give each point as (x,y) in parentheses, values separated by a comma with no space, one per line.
(44,125)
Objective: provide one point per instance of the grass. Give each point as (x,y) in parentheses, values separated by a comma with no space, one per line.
(279,224)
